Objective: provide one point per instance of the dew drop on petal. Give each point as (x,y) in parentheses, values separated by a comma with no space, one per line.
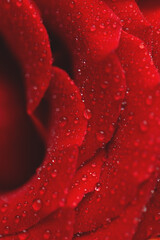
(149,100)
(72,4)
(87,114)
(76,120)
(63,121)
(17,219)
(19,3)
(4,207)
(4,220)
(62,202)
(47,235)
(104,85)
(141,46)
(144,126)
(42,190)
(93,28)
(98,187)
(54,174)
(84,178)
(100,136)
(37,205)
(23,236)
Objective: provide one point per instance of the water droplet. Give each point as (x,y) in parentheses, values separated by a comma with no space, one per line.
(93,28)
(141,45)
(87,114)
(54,174)
(84,178)
(100,136)
(62,202)
(4,207)
(17,219)
(131,5)
(102,26)
(144,126)
(47,234)
(93,164)
(149,100)
(118,95)
(114,25)
(23,235)
(104,85)
(42,190)
(34,15)
(72,4)
(98,187)
(94,174)
(24,214)
(19,3)
(63,121)
(37,205)
(4,220)
(54,195)
(72,95)
(76,120)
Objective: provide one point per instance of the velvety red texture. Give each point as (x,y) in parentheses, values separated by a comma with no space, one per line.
(99,120)
(22,29)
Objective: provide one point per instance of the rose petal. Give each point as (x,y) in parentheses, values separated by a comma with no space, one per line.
(69,122)
(124,226)
(86,26)
(134,151)
(132,19)
(22,28)
(45,192)
(151,11)
(58,225)
(91,31)
(48,188)
(102,85)
(85,179)
(149,227)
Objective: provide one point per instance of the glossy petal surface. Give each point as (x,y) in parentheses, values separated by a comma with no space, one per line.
(149,227)
(91,30)
(85,179)
(48,188)
(85,26)
(124,226)
(22,28)
(57,226)
(102,85)
(68,111)
(151,11)
(134,151)
(132,19)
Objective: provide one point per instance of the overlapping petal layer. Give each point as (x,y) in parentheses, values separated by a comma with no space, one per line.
(132,19)
(124,226)
(149,227)
(22,28)
(91,32)
(67,111)
(85,179)
(151,11)
(48,188)
(103,87)
(86,26)
(86,29)
(134,151)
(58,225)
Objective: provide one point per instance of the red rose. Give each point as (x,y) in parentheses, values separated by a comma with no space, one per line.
(79,158)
